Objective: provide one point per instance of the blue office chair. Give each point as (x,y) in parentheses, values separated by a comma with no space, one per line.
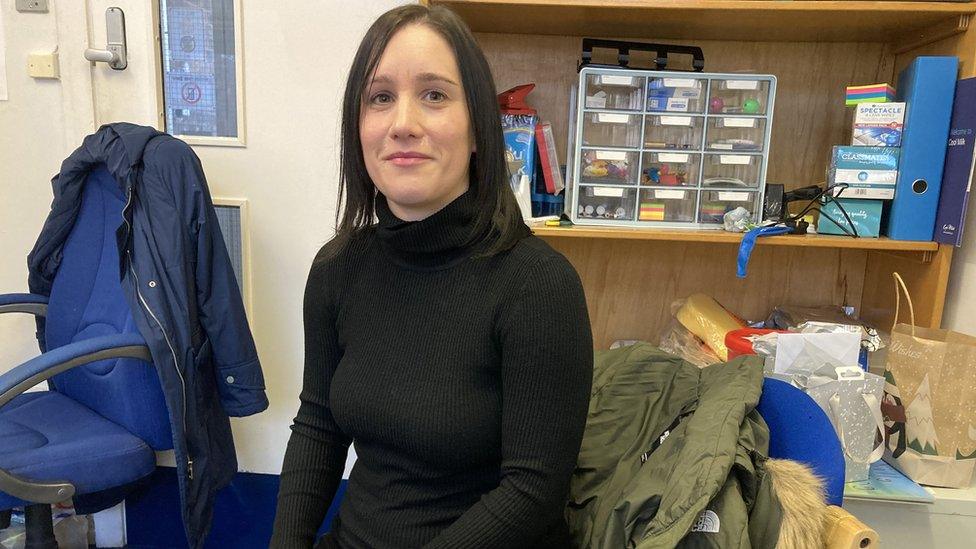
(91,436)
(801,431)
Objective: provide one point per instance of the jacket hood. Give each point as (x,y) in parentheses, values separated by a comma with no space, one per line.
(119,146)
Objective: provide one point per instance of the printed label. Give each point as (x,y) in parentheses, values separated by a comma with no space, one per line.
(677,104)
(615,80)
(736,159)
(611,155)
(739,122)
(673,157)
(733,197)
(670,195)
(864,192)
(865,177)
(675,120)
(608,192)
(707,522)
(680,83)
(612,118)
(742,84)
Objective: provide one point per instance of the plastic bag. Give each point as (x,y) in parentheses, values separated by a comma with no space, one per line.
(708,320)
(787,317)
(70,530)
(738,220)
(677,340)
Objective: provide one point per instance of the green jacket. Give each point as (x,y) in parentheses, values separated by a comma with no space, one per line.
(672,456)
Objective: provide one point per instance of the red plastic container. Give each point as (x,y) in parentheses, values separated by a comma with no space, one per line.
(739,341)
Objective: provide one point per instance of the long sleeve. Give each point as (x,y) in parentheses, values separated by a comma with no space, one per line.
(219,305)
(547,364)
(317,449)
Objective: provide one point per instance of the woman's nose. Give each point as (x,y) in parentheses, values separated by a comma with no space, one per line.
(406,120)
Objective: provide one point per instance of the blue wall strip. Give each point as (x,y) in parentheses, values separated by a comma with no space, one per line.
(243,514)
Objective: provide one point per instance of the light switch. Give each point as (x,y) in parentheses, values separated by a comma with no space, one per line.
(38,6)
(43,65)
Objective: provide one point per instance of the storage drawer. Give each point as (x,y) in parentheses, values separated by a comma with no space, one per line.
(672,131)
(714,204)
(733,96)
(601,129)
(667,205)
(735,134)
(676,94)
(731,171)
(614,92)
(609,167)
(606,203)
(670,169)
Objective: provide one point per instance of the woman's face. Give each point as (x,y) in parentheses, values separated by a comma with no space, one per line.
(414,128)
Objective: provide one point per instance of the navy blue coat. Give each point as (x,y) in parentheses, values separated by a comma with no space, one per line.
(178,280)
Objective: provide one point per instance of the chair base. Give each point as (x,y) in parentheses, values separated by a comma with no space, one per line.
(40,527)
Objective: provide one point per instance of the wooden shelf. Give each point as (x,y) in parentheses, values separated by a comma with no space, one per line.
(752,20)
(723,237)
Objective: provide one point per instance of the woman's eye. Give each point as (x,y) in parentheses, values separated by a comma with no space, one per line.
(381,99)
(436,96)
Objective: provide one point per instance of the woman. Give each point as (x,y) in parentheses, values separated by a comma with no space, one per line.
(451,346)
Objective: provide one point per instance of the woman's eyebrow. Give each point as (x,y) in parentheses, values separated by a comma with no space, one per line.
(421,77)
(434,77)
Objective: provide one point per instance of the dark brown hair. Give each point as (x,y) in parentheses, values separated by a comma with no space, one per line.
(498,220)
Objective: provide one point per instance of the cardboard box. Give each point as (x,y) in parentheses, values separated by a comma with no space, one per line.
(865,168)
(866,215)
(878,124)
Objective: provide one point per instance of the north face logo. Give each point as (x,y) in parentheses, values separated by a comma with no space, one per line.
(707,522)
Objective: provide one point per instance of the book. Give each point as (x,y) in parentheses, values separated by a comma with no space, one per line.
(885,483)
(927,88)
(547,155)
(957,175)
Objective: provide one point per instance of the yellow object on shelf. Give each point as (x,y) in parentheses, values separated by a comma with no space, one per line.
(708,320)
(843,530)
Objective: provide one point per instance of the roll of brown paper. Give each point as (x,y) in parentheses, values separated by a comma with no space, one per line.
(844,531)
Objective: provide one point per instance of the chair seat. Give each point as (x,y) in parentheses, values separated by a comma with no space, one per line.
(48,436)
(801,431)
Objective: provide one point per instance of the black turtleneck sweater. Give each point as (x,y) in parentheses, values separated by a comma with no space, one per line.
(463,381)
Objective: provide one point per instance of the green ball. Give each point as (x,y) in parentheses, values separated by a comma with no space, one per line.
(750,106)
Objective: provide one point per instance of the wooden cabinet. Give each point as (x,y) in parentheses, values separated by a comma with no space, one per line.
(815,49)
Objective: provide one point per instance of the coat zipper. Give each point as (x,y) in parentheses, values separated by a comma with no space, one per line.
(176,362)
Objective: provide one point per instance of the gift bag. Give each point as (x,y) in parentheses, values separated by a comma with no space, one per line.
(825,366)
(930,402)
(853,404)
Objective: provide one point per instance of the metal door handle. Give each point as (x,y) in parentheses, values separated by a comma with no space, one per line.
(115,52)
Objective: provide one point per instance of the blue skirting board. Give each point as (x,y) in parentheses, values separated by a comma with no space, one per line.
(243,514)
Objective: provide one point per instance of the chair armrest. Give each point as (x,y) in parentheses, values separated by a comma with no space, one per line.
(23,303)
(44,367)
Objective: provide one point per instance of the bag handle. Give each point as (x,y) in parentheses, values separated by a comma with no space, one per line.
(875,407)
(899,288)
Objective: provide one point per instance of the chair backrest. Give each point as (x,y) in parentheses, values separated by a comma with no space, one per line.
(87,301)
(801,431)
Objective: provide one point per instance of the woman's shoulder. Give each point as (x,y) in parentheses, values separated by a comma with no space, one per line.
(335,255)
(533,255)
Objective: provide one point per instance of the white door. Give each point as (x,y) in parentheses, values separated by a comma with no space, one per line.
(133,94)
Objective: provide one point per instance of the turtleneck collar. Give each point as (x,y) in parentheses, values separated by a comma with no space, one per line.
(435,242)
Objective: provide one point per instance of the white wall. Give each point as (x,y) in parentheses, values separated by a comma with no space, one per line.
(295,61)
(960,309)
